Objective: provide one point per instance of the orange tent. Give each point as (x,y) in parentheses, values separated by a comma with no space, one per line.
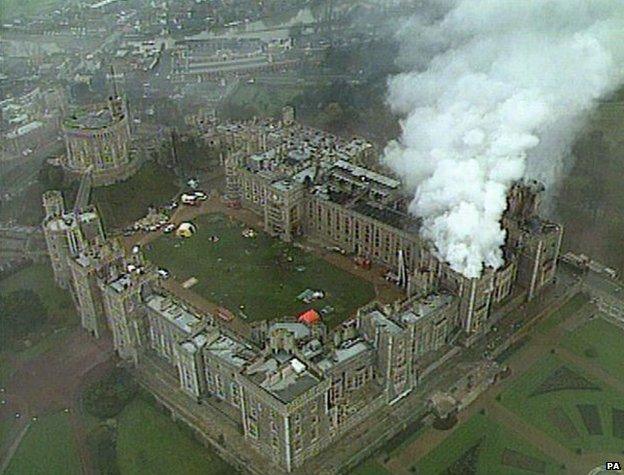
(310,317)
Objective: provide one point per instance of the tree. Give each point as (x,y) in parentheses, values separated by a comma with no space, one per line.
(108,397)
(51,177)
(21,313)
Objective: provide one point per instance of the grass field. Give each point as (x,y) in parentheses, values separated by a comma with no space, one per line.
(568,309)
(123,203)
(262,274)
(6,370)
(149,442)
(26,208)
(558,412)
(481,446)
(601,342)
(60,309)
(371,467)
(48,448)
(40,279)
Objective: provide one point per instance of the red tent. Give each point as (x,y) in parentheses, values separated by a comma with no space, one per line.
(309,317)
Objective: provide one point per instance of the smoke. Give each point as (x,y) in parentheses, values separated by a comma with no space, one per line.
(494,91)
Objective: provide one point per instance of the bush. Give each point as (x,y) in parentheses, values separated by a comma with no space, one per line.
(445,423)
(51,177)
(109,396)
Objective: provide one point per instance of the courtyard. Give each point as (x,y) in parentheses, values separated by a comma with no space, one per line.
(257,278)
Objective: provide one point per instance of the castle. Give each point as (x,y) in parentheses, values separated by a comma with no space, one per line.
(98,142)
(294,387)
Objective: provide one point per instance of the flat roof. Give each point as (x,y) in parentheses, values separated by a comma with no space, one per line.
(68,220)
(381,320)
(173,312)
(426,306)
(386,215)
(230,350)
(283,375)
(364,173)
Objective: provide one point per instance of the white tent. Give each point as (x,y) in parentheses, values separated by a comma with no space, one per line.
(186,229)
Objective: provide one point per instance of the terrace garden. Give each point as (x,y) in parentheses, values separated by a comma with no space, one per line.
(481,446)
(580,413)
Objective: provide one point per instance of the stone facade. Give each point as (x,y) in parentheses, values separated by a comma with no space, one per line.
(295,388)
(307,183)
(299,388)
(98,142)
(67,234)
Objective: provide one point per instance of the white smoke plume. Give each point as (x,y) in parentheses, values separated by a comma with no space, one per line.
(495,90)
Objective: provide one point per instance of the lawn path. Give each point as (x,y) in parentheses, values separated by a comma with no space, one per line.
(10,452)
(592,368)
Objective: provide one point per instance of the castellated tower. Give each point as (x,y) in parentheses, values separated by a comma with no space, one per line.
(67,234)
(55,234)
(101,261)
(53,203)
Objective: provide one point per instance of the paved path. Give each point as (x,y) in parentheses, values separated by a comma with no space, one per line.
(8,456)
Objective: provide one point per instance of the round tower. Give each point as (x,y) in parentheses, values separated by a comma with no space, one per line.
(53,203)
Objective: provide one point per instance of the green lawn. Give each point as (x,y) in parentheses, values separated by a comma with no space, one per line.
(149,443)
(40,279)
(6,370)
(6,426)
(568,309)
(262,274)
(26,208)
(47,449)
(478,446)
(542,409)
(60,309)
(600,341)
(123,203)
(50,338)
(370,467)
